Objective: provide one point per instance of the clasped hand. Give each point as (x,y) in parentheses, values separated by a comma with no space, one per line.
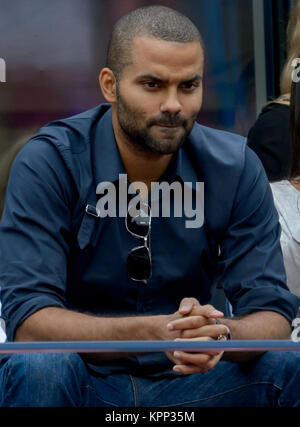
(196,322)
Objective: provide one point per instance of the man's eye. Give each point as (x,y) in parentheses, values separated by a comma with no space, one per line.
(190,86)
(151,85)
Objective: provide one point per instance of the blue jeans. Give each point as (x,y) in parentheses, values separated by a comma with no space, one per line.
(45,379)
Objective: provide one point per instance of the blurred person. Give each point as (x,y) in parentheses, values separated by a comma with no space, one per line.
(270,135)
(69,274)
(287,200)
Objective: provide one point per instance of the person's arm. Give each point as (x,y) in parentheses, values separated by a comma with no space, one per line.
(57,324)
(34,232)
(262,325)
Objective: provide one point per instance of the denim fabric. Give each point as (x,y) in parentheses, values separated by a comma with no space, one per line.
(64,380)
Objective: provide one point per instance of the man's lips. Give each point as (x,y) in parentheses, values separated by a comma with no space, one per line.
(168,126)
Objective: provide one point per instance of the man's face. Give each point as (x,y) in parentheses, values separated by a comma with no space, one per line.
(160,94)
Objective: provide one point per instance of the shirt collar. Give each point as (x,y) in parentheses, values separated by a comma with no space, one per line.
(184,168)
(107,160)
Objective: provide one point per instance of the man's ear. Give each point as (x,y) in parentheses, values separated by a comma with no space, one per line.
(108,84)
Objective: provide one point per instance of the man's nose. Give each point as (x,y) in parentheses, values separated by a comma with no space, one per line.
(171,103)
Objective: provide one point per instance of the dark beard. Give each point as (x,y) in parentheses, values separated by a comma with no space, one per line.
(140,136)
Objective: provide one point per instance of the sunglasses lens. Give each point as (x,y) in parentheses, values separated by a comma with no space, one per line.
(139,264)
(139,224)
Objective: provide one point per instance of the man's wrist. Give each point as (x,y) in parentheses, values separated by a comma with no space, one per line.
(159,329)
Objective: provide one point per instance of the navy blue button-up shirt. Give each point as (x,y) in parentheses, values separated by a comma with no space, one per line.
(53,253)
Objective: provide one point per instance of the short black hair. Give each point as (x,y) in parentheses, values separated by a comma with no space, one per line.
(159,22)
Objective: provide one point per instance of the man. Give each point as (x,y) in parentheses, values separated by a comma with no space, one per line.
(68,273)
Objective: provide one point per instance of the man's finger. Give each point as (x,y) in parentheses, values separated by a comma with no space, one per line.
(192,358)
(189,322)
(208,352)
(193,307)
(187,305)
(210,311)
(188,369)
(191,362)
(213,331)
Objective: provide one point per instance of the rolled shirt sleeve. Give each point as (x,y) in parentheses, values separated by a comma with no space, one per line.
(251,260)
(34,231)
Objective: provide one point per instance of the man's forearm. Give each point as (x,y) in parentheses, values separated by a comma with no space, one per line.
(262,325)
(57,324)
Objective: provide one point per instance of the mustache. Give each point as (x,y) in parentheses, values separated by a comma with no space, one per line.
(168,121)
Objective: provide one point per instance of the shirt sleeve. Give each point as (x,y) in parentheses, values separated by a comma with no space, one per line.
(251,261)
(34,231)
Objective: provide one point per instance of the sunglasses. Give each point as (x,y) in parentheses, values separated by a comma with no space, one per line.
(138,223)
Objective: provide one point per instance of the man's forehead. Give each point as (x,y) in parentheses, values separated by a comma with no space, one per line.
(155,47)
(160,54)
